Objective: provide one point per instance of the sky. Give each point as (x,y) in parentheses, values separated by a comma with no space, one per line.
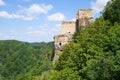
(40,20)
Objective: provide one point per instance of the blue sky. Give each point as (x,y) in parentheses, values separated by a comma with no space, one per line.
(40,20)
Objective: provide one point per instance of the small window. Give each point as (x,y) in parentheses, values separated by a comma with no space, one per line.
(61,50)
(60,43)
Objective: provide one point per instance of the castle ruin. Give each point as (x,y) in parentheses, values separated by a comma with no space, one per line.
(83,18)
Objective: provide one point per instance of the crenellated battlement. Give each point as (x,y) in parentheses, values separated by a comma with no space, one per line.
(84,9)
(84,13)
(84,17)
(68,22)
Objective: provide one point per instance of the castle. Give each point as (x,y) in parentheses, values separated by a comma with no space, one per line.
(83,18)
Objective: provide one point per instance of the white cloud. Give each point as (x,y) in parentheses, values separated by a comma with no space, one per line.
(29,28)
(56,29)
(10,34)
(43,32)
(98,5)
(36,33)
(27,13)
(4,14)
(36,9)
(1,34)
(9,37)
(56,17)
(2,3)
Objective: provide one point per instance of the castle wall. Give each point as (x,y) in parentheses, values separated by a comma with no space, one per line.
(60,42)
(82,13)
(68,27)
(83,18)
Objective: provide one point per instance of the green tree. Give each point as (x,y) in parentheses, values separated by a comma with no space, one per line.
(98,39)
(112,11)
(24,61)
(103,67)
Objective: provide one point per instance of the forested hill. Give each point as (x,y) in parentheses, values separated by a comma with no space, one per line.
(24,61)
(94,53)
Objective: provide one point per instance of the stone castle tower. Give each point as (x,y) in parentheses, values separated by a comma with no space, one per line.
(83,18)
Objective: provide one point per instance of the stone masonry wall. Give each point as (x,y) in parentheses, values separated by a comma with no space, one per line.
(60,42)
(68,27)
(83,18)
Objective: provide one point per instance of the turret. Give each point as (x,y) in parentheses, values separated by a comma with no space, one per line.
(84,17)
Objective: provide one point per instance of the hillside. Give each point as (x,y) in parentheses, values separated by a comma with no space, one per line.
(24,61)
(94,53)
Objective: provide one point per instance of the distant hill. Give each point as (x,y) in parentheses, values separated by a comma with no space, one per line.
(23,60)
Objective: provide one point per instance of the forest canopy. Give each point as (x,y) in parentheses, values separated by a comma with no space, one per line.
(24,61)
(94,53)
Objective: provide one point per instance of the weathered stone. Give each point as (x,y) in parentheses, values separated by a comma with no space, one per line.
(83,18)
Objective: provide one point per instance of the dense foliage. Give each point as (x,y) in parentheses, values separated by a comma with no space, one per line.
(112,11)
(94,53)
(24,61)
